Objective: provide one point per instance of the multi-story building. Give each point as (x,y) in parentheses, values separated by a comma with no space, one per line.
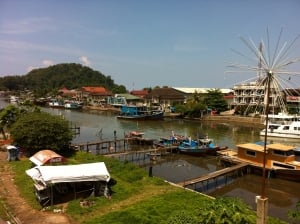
(252,96)
(248,94)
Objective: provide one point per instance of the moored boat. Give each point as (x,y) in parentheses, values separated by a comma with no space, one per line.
(280,160)
(72,105)
(137,138)
(191,147)
(134,134)
(134,112)
(289,130)
(54,103)
(199,147)
(173,140)
(282,126)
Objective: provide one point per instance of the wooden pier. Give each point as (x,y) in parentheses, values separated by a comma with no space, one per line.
(103,146)
(143,154)
(119,147)
(204,180)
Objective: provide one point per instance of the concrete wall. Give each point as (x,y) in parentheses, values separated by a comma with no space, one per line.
(237,119)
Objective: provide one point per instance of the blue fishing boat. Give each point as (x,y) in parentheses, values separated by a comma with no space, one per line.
(134,112)
(199,147)
(173,140)
(191,147)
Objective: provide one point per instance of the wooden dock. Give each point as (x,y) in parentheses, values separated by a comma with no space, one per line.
(214,176)
(149,152)
(103,146)
(121,147)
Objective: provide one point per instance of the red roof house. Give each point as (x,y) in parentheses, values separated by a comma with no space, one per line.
(139,93)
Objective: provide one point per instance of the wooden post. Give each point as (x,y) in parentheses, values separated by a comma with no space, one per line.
(150,171)
(261,210)
(97,149)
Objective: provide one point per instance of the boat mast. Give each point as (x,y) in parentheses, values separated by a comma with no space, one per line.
(260,61)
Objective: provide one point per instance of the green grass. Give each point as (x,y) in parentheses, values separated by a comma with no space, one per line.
(3,214)
(155,209)
(138,198)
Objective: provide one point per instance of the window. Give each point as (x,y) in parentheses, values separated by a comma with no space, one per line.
(283,165)
(283,153)
(250,153)
(278,152)
(273,127)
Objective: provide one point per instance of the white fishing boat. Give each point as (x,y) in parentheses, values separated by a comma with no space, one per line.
(73,105)
(283,126)
(54,103)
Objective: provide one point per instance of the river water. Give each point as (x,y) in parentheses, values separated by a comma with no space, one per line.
(96,125)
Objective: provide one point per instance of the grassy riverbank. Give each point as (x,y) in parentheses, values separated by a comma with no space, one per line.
(138,198)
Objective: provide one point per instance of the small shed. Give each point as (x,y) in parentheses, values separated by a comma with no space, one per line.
(74,179)
(46,157)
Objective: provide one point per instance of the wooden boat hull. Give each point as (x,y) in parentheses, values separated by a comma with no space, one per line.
(193,151)
(199,150)
(140,141)
(214,151)
(166,142)
(156,116)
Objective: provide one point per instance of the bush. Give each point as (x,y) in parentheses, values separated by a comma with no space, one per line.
(39,130)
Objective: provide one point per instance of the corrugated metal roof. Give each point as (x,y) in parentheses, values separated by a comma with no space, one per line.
(165,93)
(128,96)
(200,90)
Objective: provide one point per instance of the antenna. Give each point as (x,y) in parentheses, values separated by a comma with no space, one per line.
(260,61)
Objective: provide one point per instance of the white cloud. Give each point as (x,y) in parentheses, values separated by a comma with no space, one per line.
(45,63)
(48,63)
(27,25)
(30,68)
(12,46)
(85,60)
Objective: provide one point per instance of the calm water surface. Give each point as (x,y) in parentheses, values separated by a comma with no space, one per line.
(283,195)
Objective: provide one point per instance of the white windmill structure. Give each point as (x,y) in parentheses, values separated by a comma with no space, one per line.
(270,70)
(274,78)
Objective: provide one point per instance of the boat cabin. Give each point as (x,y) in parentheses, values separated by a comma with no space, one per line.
(278,155)
(132,109)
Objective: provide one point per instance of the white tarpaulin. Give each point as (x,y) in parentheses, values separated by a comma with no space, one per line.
(48,175)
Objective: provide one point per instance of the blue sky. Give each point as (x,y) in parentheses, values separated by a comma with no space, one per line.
(142,43)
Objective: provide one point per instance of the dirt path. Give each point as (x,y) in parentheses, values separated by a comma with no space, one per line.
(17,206)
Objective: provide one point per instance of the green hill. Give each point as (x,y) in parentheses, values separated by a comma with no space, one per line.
(70,75)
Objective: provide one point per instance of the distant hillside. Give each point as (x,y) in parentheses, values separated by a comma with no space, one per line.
(70,75)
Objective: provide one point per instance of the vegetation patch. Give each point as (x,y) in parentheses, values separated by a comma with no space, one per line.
(138,198)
